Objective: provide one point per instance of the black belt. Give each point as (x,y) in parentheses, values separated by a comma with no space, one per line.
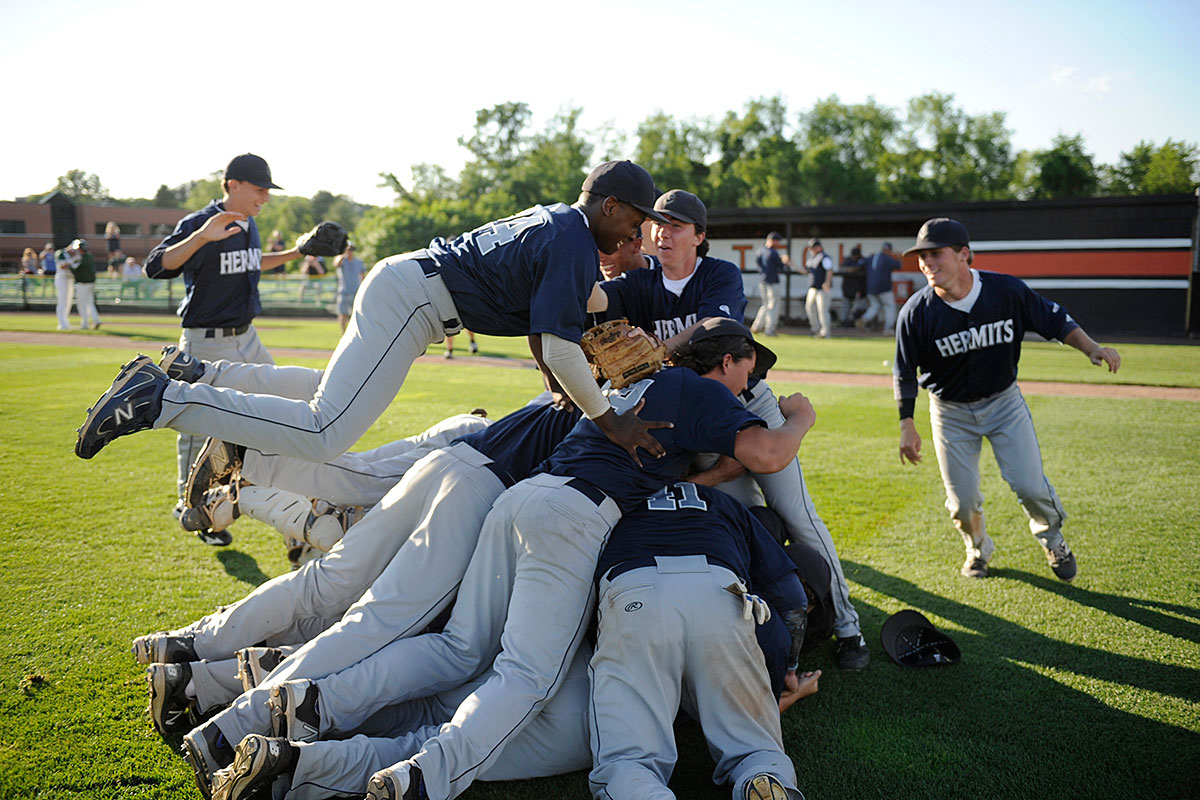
(211,333)
(501,473)
(587,490)
(648,561)
(430,268)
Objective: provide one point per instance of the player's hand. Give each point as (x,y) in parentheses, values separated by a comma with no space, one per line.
(649,337)
(561,400)
(1106,355)
(796,687)
(796,407)
(630,432)
(910,441)
(221,226)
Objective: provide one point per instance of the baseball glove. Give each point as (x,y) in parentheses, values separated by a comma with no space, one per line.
(619,357)
(327,239)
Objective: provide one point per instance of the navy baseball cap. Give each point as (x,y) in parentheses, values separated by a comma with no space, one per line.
(912,641)
(764,357)
(627,182)
(251,168)
(683,206)
(941,232)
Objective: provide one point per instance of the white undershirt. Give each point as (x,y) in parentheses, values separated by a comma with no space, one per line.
(968,301)
(676,287)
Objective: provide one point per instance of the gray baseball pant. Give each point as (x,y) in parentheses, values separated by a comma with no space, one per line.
(245,347)
(786,492)
(554,743)
(672,637)
(439,507)
(958,433)
(398,314)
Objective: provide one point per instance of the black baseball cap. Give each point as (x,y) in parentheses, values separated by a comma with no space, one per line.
(251,168)
(683,206)
(776,235)
(627,182)
(912,641)
(724,326)
(814,242)
(941,232)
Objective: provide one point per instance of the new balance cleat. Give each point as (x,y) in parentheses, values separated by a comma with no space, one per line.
(256,663)
(217,463)
(170,708)
(164,648)
(1062,561)
(180,366)
(764,786)
(131,404)
(207,751)
(258,760)
(294,712)
(397,783)
(976,565)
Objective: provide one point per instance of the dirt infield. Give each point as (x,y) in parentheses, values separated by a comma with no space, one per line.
(833,378)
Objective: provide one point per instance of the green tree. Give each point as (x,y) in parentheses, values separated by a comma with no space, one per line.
(674,151)
(944,153)
(1172,169)
(205,190)
(846,150)
(1128,175)
(82,186)
(757,160)
(1065,170)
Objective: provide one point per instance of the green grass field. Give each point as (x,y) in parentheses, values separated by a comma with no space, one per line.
(1083,690)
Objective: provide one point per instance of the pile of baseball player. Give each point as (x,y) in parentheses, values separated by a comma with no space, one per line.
(545,592)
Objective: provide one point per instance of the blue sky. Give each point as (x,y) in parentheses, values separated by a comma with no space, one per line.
(143,92)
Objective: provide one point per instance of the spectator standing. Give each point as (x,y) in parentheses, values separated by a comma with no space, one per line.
(350,271)
(312,268)
(131,277)
(277,245)
(770,263)
(112,237)
(881,300)
(29,262)
(48,265)
(64,284)
(816,303)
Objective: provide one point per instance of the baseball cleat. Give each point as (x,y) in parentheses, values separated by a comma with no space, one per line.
(764,786)
(294,712)
(976,565)
(217,463)
(852,652)
(207,752)
(401,782)
(257,761)
(171,710)
(256,663)
(131,404)
(1062,561)
(164,648)
(474,348)
(216,511)
(180,366)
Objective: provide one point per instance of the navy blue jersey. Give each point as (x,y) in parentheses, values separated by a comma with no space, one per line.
(524,438)
(879,273)
(707,419)
(819,267)
(220,279)
(715,290)
(529,273)
(965,356)
(686,519)
(769,263)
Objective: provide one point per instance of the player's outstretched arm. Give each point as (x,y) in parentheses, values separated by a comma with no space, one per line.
(910,441)
(765,450)
(1097,354)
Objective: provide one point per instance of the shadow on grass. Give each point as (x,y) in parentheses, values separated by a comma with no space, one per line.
(1143,612)
(241,566)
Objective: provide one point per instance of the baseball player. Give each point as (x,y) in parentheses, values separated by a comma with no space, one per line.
(770,264)
(677,629)
(218,252)
(694,287)
(528,274)
(816,303)
(963,332)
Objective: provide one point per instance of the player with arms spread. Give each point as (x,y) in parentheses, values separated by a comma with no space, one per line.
(963,332)
(528,274)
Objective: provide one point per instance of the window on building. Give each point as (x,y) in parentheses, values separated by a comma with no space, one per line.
(12,226)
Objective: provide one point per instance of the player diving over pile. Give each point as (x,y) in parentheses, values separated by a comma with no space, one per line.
(528,274)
